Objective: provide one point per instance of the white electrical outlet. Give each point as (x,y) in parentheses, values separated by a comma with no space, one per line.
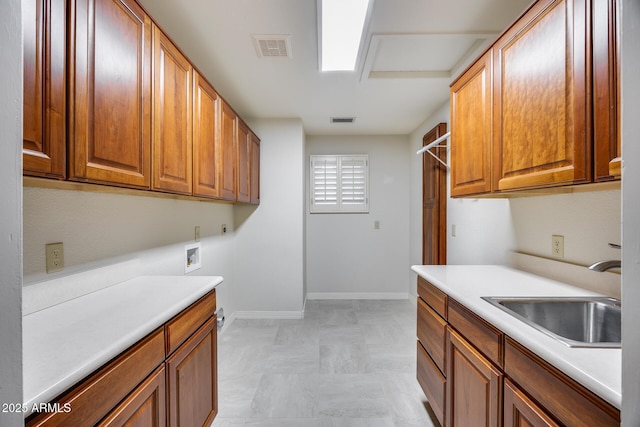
(557,246)
(54,257)
(224,228)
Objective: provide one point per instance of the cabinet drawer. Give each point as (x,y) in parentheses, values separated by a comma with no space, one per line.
(184,325)
(433,296)
(95,397)
(565,399)
(486,338)
(433,383)
(431,333)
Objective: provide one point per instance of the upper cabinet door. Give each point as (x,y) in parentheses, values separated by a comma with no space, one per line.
(243,185)
(110,87)
(229,130)
(541,109)
(44,132)
(255,169)
(172,137)
(471,130)
(206,139)
(606,91)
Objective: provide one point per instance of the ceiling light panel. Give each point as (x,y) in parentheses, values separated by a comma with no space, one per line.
(342,23)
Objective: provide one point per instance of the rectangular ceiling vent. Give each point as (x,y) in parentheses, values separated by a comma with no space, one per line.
(272,46)
(343,119)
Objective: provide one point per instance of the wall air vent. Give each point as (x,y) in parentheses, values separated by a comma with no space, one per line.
(343,119)
(272,46)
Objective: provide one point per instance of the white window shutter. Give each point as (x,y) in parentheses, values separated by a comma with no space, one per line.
(339,183)
(324,183)
(353,178)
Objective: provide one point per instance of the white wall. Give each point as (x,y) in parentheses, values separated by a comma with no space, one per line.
(588,221)
(630,17)
(484,231)
(269,240)
(101,228)
(345,254)
(10,211)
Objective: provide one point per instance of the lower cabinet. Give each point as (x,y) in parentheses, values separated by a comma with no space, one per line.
(169,378)
(482,377)
(193,391)
(474,386)
(145,406)
(519,410)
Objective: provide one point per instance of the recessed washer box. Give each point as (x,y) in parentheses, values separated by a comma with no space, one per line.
(192,257)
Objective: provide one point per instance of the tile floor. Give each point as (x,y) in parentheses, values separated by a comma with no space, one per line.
(346,364)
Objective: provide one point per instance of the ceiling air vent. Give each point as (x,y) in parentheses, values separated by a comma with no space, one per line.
(272,46)
(343,119)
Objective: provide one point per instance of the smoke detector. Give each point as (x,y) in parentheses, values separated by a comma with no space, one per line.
(272,46)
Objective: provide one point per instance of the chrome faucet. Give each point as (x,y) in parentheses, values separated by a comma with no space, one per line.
(606,265)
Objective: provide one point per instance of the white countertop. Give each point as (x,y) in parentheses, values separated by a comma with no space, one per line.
(598,369)
(64,343)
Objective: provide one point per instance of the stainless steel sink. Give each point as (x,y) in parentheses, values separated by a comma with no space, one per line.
(577,322)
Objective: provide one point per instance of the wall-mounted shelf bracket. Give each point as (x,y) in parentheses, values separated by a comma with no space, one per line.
(427,148)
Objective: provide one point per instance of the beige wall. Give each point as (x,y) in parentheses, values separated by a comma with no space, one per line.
(588,221)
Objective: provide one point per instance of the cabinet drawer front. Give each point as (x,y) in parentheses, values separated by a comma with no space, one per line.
(433,296)
(96,396)
(568,401)
(184,325)
(432,382)
(489,340)
(431,333)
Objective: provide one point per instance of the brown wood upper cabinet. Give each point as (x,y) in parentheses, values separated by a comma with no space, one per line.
(206,139)
(255,169)
(106,87)
(471,130)
(554,105)
(110,93)
(229,130)
(540,98)
(606,125)
(243,184)
(172,136)
(44,105)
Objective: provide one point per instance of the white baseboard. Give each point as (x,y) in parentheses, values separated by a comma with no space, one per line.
(357,295)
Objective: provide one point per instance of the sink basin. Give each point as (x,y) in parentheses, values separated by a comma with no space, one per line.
(577,322)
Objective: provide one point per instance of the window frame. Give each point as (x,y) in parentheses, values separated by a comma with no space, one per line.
(342,204)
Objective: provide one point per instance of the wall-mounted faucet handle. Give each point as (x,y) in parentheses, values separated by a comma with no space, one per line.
(615,246)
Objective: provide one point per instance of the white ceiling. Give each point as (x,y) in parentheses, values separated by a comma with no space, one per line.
(412,50)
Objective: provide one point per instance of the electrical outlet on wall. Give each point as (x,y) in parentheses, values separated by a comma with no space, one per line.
(54,254)
(557,246)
